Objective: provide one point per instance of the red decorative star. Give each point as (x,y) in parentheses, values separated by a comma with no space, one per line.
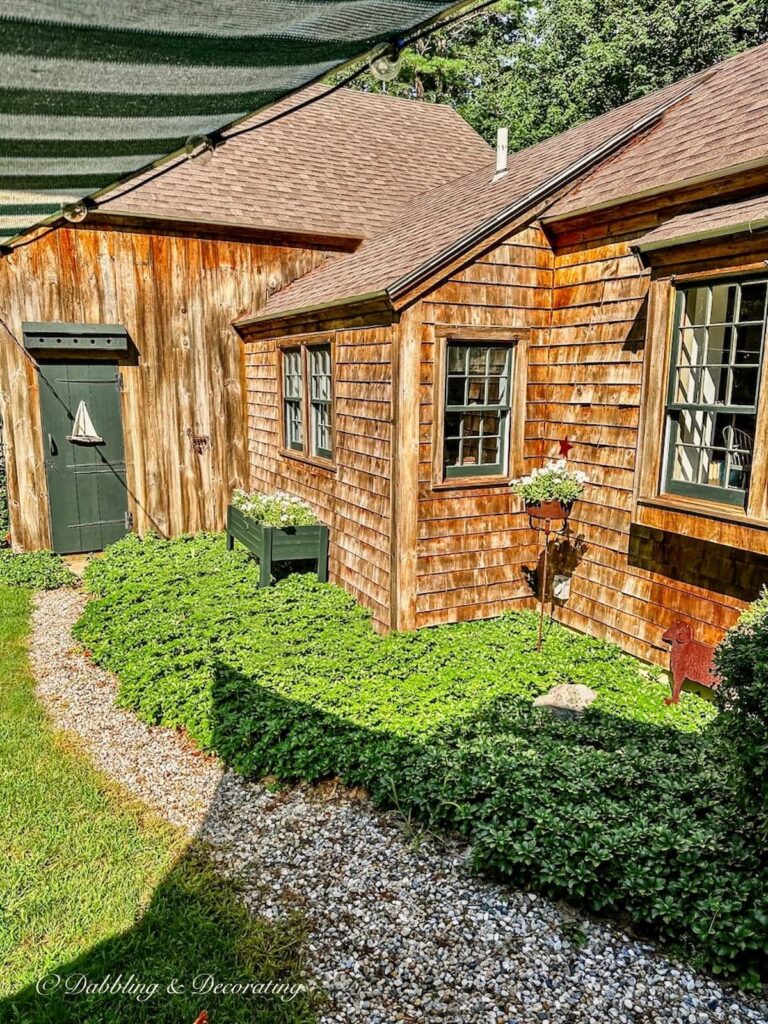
(565,447)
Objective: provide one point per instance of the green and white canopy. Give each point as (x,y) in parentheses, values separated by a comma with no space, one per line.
(93,90)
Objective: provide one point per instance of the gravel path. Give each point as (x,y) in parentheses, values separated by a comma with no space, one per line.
(400,934)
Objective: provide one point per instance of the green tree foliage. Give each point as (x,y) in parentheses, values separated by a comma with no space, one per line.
(540,67)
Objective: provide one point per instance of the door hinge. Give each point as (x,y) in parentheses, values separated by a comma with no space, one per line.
(119,382)
(129,520)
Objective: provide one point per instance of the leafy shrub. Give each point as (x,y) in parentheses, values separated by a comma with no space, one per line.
(278,509)
(624,811)
(38,570)
(742,662)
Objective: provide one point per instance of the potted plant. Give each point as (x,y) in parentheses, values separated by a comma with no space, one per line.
(549,493)
(277,528)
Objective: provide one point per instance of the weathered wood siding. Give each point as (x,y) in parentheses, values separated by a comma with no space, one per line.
(474,541)
(353,497)
(177,295)
(629,580)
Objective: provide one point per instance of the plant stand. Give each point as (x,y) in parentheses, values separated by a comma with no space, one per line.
(541,517)
(278,544)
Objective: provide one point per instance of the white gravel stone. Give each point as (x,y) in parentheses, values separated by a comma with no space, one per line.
(400,932)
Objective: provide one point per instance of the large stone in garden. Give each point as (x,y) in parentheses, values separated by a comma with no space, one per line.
(568,700)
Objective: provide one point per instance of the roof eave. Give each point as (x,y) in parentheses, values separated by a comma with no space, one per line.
(743,228)
(372,309)
(401,290)
(659,190)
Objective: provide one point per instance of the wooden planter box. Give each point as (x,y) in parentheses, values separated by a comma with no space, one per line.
(275,544)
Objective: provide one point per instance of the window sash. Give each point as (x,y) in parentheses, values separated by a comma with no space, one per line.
(708,452)
(293,397)
(321,404)
(307,396)
(470,372)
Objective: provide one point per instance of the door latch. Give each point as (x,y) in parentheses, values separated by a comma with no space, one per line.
(119,383)
(128,521)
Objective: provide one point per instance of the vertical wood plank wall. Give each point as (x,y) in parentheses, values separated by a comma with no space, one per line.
(353,499)
(474,541)
(177,295)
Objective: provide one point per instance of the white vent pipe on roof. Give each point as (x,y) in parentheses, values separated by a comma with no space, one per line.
(502,151)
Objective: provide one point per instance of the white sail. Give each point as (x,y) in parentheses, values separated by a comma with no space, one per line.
(83,430)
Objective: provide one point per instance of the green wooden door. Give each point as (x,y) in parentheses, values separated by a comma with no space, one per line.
(87,489)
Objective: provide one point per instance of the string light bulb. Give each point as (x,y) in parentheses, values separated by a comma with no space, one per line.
(75,213)
(386,67)
(199,148)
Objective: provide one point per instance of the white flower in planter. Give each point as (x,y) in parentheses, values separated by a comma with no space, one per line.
(553,482)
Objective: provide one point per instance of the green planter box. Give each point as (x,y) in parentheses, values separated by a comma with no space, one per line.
(275,544)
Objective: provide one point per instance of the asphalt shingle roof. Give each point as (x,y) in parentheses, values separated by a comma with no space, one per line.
(345,164)
(749,215)
(703,117)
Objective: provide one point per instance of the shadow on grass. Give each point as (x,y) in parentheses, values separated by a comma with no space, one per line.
(193,934)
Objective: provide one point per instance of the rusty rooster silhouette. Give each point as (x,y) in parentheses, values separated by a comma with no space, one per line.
(689,659)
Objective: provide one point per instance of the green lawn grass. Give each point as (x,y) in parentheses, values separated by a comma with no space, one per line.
(93,885)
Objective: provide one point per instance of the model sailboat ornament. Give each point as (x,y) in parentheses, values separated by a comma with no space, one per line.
(83,431)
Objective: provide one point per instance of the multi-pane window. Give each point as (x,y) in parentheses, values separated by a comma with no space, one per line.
(477,402)
(321,400)
(292,399)
(308,400)
(713,389)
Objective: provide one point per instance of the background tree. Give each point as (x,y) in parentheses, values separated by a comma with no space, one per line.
(540,67)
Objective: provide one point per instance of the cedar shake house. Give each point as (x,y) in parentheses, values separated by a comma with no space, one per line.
(608,287)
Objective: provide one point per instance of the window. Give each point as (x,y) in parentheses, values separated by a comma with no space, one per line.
(292,398)
(477,405)
(711,412)
(321,398)
(308,400)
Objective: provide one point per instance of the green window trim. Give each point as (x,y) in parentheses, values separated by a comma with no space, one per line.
(476,408)
(307,396)
(715,368)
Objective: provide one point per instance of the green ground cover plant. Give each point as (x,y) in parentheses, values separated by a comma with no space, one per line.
(38,570)
(626,811)
(93,885)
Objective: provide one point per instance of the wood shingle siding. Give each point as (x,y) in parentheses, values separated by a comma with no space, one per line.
(474,540)
(353,495)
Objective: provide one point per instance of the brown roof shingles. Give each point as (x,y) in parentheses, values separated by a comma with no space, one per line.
(432,223)
(749,215)
(722,124)
(343,165)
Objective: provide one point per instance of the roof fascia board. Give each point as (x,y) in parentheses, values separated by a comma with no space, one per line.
(325,239)
(369,310)
(401,288)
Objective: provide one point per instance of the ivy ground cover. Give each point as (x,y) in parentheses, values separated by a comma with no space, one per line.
(626,811)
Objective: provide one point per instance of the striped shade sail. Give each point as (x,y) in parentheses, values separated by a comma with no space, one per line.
(92,91)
